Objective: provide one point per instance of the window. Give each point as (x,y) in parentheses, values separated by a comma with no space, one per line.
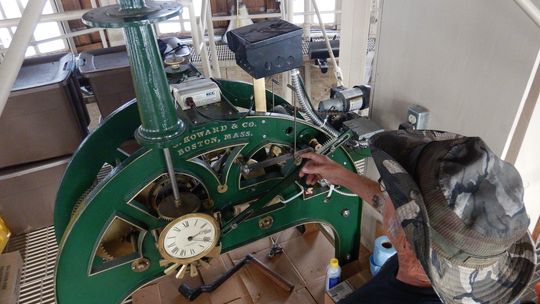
(179,24)
(324,6)
(13,9)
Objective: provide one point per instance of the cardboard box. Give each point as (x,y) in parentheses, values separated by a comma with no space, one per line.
(10,274)
(302,263)
(345,288)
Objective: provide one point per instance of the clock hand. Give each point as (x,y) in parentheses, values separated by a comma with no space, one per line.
(202,231)
(205,239)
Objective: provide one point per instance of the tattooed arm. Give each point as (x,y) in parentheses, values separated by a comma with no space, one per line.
(319,166)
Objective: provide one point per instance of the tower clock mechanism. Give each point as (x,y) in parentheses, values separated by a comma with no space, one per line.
(216,168)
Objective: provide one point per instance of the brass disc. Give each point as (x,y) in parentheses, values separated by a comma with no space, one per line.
(168,210)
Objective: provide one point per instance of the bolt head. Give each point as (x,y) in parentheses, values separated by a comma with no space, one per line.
(345,212)
(222,188)
(140,265)
(412,119)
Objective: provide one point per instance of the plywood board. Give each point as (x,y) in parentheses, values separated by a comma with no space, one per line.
(303,263)
(310,255)
(165,291)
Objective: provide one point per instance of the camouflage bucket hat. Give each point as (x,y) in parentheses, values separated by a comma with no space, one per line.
(462,211)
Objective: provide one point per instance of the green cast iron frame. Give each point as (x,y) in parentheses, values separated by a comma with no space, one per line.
(81,277)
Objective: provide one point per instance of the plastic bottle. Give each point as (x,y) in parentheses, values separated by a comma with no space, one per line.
(4,235)
(333,274)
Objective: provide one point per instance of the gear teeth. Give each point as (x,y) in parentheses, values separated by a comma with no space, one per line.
(77,208)
(203,263)
(171,269)
(181,272)
(193,270)
(164,263)
(103,253)
(163,217)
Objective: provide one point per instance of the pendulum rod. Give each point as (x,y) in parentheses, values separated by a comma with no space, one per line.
(172,176)
(295,114)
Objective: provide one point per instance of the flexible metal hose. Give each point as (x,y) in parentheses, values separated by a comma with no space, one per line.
(306,105)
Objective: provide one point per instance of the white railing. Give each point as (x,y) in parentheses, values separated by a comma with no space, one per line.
(14,57)
(530,9)
(22,38)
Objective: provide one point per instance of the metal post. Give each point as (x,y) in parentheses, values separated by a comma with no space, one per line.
(354,33)
(308,19)
(202,49)
(159,122)
(307,77)
(15,53)
(172,176)
(156,106)
(288,14)
(3,15)
(65,16)
(63,36)
(21,8)
(337,70)
(211,40)
(197,40)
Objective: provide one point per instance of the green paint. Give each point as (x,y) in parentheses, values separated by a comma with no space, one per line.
(160,125)
(111,197)
(83,278)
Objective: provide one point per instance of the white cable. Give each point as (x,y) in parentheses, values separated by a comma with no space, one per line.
(323,182)
(345,193)
(332,188)
(337,70)
(294,197)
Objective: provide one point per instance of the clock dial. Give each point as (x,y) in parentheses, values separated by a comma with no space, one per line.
(189,238)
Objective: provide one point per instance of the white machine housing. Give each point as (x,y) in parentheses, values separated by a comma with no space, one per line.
(202,91)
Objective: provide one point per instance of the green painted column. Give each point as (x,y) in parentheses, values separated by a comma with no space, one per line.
(160,124)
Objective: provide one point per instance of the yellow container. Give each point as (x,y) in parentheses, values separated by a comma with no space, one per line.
(4,235)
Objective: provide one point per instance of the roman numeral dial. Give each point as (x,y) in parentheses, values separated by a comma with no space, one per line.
(189,238)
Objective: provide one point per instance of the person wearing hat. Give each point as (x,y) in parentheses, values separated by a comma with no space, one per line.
(454,212)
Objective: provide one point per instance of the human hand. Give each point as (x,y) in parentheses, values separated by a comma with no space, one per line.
(319,166)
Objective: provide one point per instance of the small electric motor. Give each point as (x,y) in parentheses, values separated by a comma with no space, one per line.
(343,100)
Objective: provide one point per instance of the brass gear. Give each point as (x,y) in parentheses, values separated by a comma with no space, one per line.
(181,269)
(119,240)
(103,254)
(168,210)
(77,208)
(160,198)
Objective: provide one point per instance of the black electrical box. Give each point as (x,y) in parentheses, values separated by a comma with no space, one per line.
(267,48)
(318,49)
